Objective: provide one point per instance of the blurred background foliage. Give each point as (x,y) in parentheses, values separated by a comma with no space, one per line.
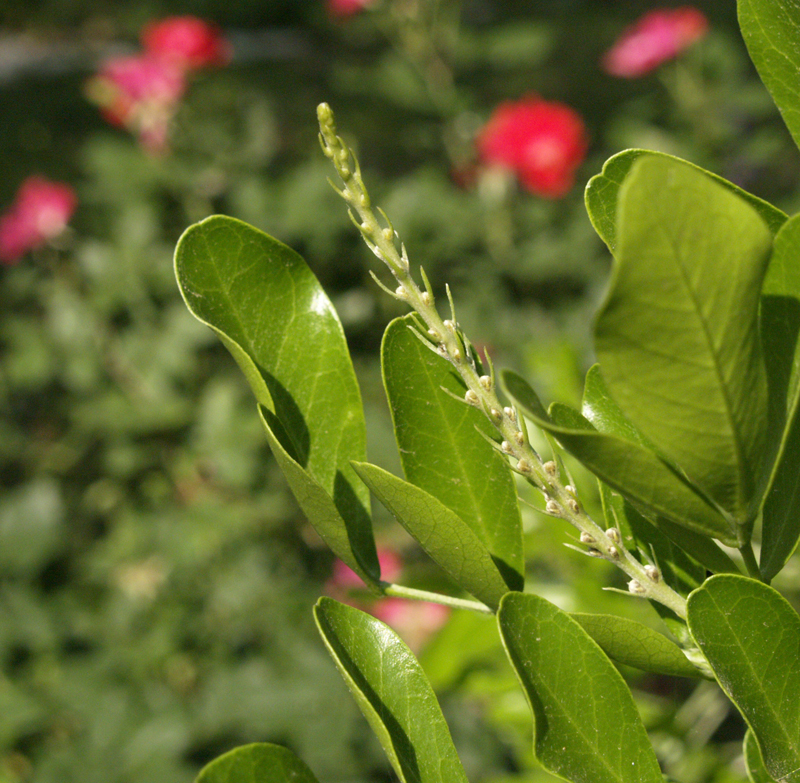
(157,576)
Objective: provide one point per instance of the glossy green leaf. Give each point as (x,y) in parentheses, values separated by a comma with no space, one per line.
(677,336)
(257,763)
(670,540)
(753,761)
(602,193)
(635,472)
(769,29)
(780,325)
(585,725)
(750,636)
(443,535)
(441,447)
(629,642)
(392,691)
(269,310)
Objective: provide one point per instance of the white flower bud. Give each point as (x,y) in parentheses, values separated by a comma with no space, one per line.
(519,437)
(426,297)
(511,413)
(636,588)
(448,324)
(506,447)
(495,414)
(653,572)
(586,538)
(550,468)
(573,506)
(613,553)
(572,491)
(523,466)
(551,507)
(613,534)
(388,234)
(486,382)
(471,397)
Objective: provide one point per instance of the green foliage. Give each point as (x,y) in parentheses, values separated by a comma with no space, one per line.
(257,763)
(760,671)
(393,693)
(586,727)
(315,429)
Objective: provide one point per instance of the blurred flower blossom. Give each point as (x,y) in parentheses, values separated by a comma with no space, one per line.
(140,93)
(656,37)
(39,213)
(345,577)
(414,621)
(340,9)
(186,42)
(542,142)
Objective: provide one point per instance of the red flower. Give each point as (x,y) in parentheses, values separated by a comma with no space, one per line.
(542,142)
(658,36)
(414,621)
(140,93)
(40,212)
(187,42)
(345,577)
(339,9)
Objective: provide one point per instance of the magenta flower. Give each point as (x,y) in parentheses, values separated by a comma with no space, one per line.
(340,9)
(542,142)
(140,93)
(187,42)
(39,213)
(345,577)
(414,621)
(656,37)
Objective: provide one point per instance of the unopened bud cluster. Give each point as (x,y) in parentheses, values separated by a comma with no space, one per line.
(446,339)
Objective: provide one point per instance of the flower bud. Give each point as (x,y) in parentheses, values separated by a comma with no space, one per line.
(495,414)
(573,506)
(519,437)
(636,588)
(613,553)
(551,507)
(506,447)
(511,413)
(586,538)
(653,572)
(550,468)
(401,293)
(523,466)
(486,382)
(613,534)
(426,298)
(471,397)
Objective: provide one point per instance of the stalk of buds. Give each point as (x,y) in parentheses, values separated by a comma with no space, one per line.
(446,339)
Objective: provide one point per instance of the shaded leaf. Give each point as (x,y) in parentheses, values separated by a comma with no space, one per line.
(441,447)
(269,310)
(629,642)
(443,535)
(602,192)
(769,29)
(677,336)
(670,540)
(750,636)
(257,763)
(392,691)
(635,472)
(780,325)
(756,770)
(585,725)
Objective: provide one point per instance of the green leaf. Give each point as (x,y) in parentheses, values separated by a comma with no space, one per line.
(635,472)
(269,310)
(780,324)
(257,763)
(604,414)
(393,693)
(629,642)
(585,725)
(602,193)
(750,636)
(443,535)
(677,336)
(756,770)
(441,447)
(769,29)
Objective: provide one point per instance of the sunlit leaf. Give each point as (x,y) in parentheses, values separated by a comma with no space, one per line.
(257,763)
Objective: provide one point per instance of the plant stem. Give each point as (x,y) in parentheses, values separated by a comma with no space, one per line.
(750,562)
(435,598)
(446,339)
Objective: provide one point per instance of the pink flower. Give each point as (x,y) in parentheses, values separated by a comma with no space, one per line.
(542,142)
(345,577)
(186,42)
(39,213)
(140,93)
(656,37)
(414,621)
(340,9)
